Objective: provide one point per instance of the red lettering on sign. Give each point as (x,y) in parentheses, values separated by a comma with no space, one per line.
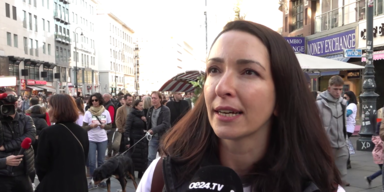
(30,82)
(40,82)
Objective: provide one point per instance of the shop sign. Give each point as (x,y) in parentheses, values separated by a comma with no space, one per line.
(378,32)
(353,53)
(297,43)
(30,82)
(332,44)
(7,81)
(353,74)
(23,85)
(35,82)
(40,82)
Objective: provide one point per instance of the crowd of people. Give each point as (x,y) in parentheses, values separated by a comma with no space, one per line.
(75,129)
(255,115)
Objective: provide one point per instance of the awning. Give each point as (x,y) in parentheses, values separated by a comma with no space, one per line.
(338,57)
(49,89)
(181,82)
(377,55)
(324,73)
(311,63)
(35,88)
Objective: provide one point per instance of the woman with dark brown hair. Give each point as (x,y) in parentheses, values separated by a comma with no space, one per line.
(80,106)
(63,149)
(255,116)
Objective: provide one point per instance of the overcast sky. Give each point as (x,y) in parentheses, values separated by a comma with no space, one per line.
(185,18)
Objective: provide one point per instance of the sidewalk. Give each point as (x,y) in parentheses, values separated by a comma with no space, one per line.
(362,166)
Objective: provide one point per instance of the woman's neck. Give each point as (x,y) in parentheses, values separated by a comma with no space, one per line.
(241,155)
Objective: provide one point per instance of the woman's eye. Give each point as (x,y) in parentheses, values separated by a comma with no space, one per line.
(250,72)
(213,70)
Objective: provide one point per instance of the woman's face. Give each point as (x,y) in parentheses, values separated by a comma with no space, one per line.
(140,106)
(346,97)
(95,101)
(239,90)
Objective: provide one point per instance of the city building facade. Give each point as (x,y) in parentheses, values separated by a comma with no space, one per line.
(27,41)
(116,55)
(327,27)
(162,58)
(84,75)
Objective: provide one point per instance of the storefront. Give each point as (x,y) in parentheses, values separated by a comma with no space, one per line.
(32,87)
(332,47)
(378,55)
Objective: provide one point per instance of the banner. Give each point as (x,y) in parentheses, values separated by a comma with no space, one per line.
(297,43)
(332,44)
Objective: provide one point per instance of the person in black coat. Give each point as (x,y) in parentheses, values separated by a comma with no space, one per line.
(178,107)
(134,131)
(38,117)
(63,149)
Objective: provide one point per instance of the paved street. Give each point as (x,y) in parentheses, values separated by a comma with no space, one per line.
(362,165)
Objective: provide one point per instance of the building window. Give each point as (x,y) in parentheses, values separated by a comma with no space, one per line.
(25,19)
(15,40)
(57,53)
(14,13)
(30,21)
(7,10)
(31,47)
(43,24)
(35,23)
(25,45)
(30,2)
(37,48)
(49,49)
(297,17)
(44,52)
(49,26)
(42,3)
(31,72)
(34,3)
(9,39)
(48,4)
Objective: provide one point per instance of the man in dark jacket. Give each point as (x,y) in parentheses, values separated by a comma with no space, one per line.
(178,107)
(13,130)
(158,122)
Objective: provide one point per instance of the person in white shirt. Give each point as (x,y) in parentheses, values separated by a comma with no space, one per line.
(96,121)
(351,117)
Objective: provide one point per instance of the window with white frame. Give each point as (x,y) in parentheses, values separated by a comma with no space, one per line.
(9,39)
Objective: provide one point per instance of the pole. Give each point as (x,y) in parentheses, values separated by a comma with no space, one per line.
(76,86)
(368,97)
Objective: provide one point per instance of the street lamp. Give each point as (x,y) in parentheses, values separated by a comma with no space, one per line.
(116,72)
(137,50)
(76,58)
(368,97)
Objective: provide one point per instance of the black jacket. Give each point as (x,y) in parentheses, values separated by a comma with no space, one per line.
(106,106)
(60,160)
(39,121)
(22,127)
(134,130)
(163,121)
(178,110)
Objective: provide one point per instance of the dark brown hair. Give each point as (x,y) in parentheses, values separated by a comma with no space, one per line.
(80,105)
(98,96)
(298,147)
(63,108)
(136,103)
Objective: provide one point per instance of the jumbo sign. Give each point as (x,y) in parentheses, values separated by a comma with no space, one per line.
(332,44)
(378,32)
